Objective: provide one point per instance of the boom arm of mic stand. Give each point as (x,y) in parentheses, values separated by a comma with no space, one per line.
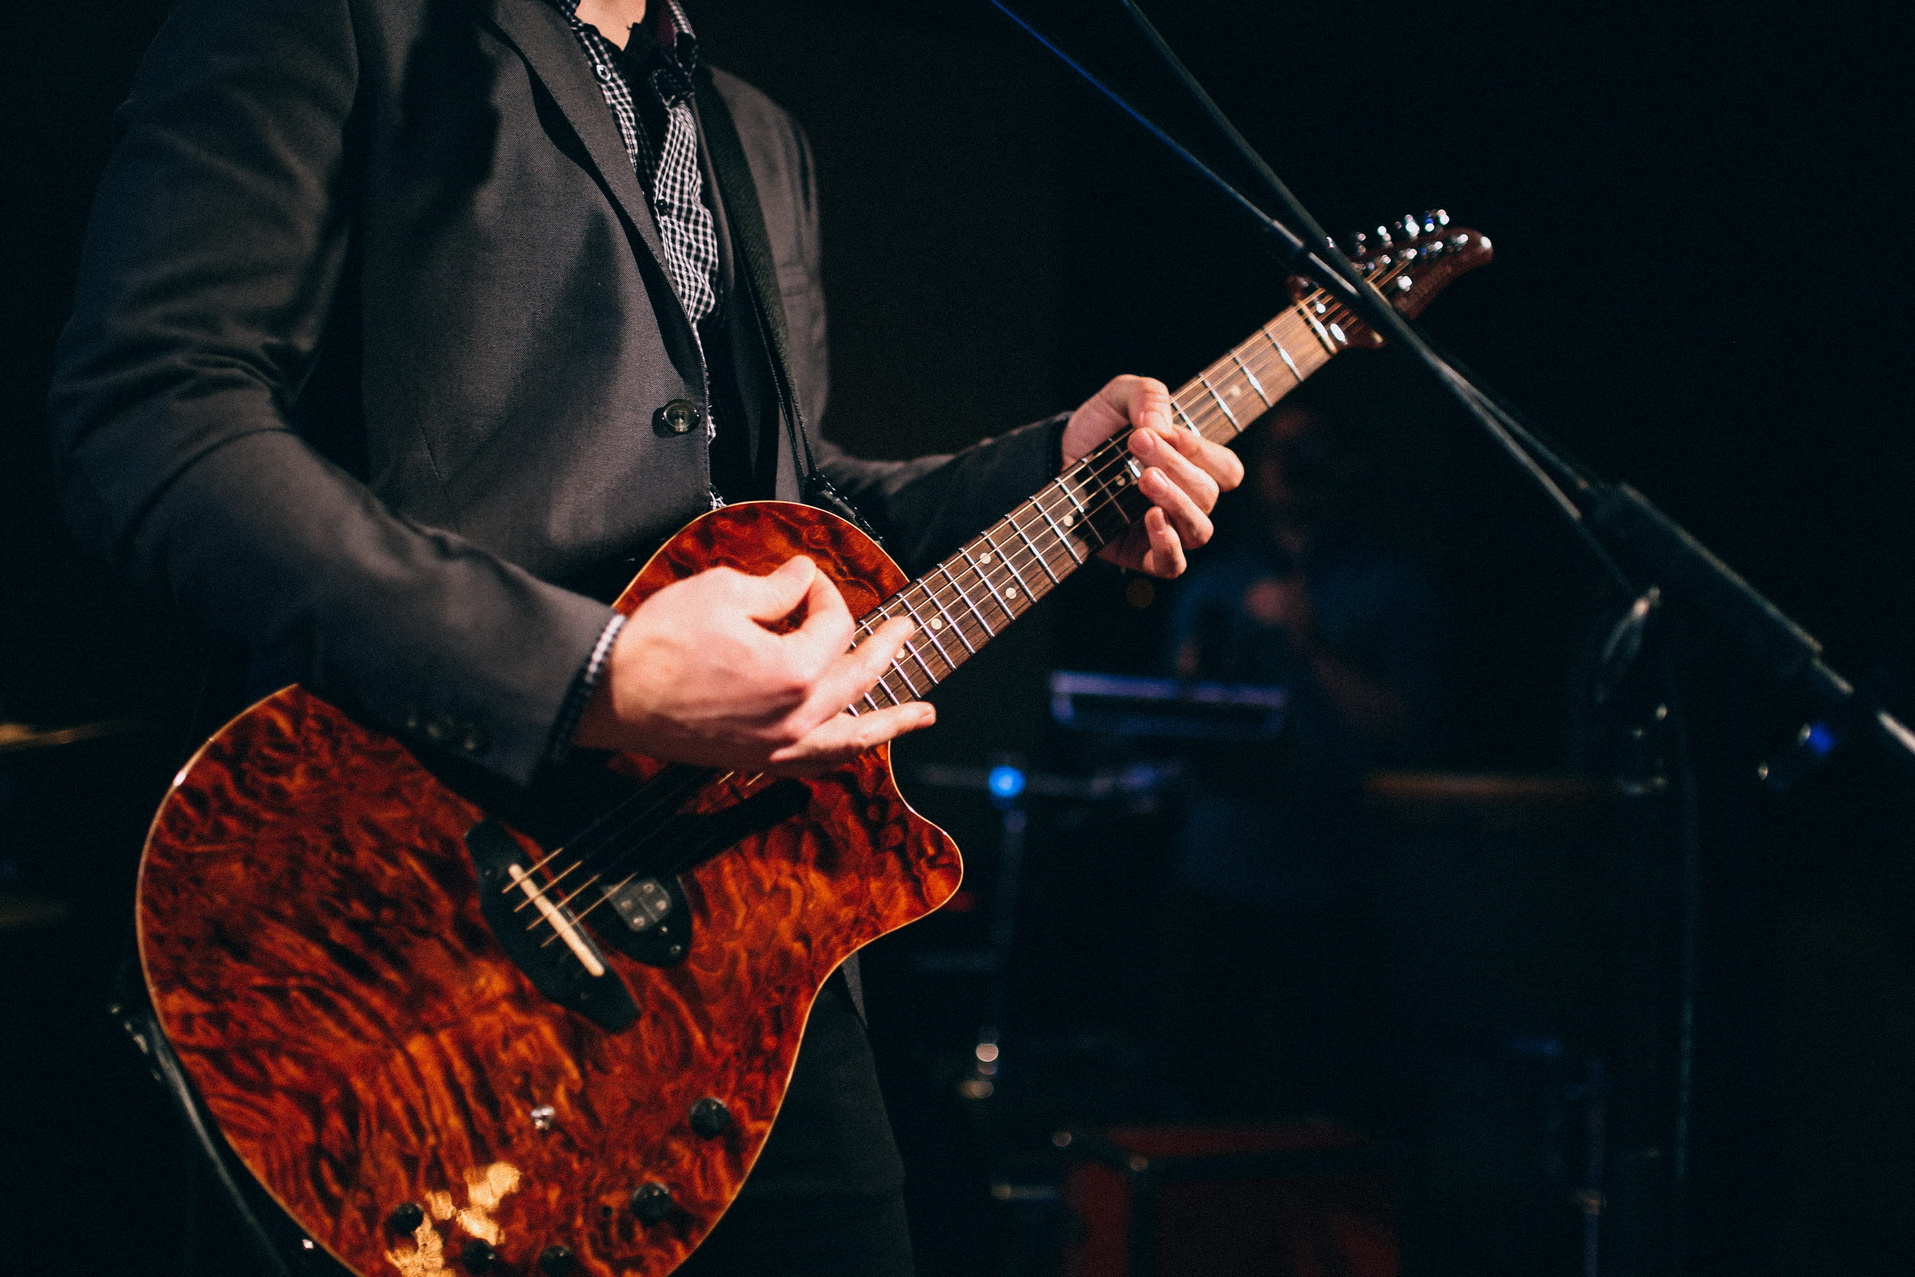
(1613,520)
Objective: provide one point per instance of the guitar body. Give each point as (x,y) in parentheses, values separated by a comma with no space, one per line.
(311,933)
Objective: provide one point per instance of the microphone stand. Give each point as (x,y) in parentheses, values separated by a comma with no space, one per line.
(1638,546)
(1649,557)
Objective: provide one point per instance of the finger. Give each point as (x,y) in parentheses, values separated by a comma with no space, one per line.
(827,630)
(1165,558)
(772,597)
(843,737)
(1154,449)
(1143,401)
(1192,526)
(1224,467)
(854,674)
(1127,400)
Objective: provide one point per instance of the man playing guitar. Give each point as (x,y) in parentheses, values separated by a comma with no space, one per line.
(405,325)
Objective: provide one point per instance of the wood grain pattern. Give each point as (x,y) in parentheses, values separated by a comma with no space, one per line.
(311,938)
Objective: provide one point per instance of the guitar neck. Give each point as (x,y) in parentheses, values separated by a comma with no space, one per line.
(973,596)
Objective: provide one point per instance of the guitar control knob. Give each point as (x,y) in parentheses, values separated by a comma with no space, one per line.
(406,1217)
(556,1261)
(651,1202)
(478,1256)
(710,1118)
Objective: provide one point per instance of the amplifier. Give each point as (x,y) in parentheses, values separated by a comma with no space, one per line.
(1229,1201)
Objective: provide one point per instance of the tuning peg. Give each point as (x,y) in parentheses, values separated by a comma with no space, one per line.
(1356,244)
(1434,218)
(1412,227)
(1383,239)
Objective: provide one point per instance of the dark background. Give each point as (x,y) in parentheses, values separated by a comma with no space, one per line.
(1702,284)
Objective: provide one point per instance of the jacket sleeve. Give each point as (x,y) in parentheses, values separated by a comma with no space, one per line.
(216,249)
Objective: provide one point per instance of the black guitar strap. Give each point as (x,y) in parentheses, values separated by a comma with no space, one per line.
(740,195)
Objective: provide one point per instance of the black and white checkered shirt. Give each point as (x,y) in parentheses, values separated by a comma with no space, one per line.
(661,136)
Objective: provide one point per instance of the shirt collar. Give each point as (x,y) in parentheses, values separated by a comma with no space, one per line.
(669,27)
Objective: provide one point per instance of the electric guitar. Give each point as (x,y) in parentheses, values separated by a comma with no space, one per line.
(549,1031)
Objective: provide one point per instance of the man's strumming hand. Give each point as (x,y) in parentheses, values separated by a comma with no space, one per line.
(1183,473)
(695,677)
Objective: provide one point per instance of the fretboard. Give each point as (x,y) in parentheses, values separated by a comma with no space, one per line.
(970,598)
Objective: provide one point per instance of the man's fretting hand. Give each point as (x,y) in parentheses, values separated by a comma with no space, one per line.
(1183,474)
(695,677)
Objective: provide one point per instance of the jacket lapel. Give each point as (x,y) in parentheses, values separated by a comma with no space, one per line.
(540,34)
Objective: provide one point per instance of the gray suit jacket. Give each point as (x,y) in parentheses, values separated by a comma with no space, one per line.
(370,334)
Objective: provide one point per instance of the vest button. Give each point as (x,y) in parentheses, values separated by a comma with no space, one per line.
(679,417)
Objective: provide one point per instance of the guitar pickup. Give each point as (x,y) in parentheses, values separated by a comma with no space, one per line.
(642,904)
(657,921)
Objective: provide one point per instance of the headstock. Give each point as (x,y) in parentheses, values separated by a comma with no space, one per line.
(1409,261)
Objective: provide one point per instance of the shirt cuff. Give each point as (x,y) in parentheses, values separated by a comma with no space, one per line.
(582,688)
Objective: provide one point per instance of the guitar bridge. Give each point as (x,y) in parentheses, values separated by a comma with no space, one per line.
(543,939)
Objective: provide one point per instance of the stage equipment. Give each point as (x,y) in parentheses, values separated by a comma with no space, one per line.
(1255,1201)
(1124,705)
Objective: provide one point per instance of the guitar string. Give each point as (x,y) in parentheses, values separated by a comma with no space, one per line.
(1093,467)
(1110,459)
(671,796)
(1206,405)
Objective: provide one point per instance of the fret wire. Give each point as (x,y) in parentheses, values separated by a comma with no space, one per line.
(898,669)
(1205,382)
(1288,362)
(1188,423)
(1009,566)
(939,604)
(1062,538)
(927,631)
(1251,377)
(919,658)
(1322,335)
(1008,614)
(969,602)
(1025,537)
(1207,413)
(1083,515)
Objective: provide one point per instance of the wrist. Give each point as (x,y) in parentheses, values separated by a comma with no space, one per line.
(589,717)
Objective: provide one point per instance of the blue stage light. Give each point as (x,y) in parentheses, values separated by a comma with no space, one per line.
(1006,782)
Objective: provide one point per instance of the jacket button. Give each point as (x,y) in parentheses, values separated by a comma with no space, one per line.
(440,729)
(679,417)
(476,741)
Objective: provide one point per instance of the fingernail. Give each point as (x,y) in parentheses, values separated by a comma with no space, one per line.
(927,716)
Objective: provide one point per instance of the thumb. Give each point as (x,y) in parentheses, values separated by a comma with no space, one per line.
(773,596)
